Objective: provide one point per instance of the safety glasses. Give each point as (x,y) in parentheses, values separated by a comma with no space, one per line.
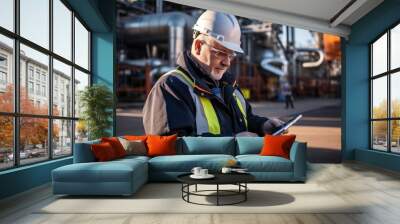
(219,53)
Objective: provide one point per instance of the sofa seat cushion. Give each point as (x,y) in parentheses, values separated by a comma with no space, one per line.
(185,163)
(112,171)
(257,163)
(133,158)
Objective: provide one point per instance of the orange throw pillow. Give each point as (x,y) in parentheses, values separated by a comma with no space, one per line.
(135,137)
(116,145)
(103,151)
(277,145)
(161,145)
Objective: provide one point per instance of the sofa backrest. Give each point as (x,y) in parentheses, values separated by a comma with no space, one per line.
(190,146)
(206,145)
(249,145)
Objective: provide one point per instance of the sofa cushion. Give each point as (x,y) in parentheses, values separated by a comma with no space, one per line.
(185,163)
(103,152)
(131,158)
(98,172)
(116,145)
(206,145)
(161,145)
(118,177)
(257,163)
(135,137)
(249,145)
(277,145)
(134,147)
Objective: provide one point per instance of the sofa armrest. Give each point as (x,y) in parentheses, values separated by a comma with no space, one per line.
(298,155)
(83,152)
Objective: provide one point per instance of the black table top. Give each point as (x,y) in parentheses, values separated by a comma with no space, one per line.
(220,178)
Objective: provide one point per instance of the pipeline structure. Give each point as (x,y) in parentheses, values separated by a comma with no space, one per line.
(151,35)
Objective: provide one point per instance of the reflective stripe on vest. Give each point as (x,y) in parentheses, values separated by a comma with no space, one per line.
(241,104)
(206,117)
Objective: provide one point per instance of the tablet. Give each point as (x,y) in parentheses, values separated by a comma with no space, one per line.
(279,130)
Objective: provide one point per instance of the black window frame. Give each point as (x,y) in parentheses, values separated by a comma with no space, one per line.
(388,74)
(16,114)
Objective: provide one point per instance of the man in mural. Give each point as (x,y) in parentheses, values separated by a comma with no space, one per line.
(200,97)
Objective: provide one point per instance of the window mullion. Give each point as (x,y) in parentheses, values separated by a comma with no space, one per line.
(50,81)
(389,94)
(16,84)
(73,81)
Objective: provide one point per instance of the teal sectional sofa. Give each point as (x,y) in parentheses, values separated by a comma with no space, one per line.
(125,176)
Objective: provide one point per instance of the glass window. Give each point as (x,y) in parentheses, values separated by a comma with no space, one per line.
(38,89)
(395,95)
(7,74)
(3,61)
(81,45)
(379,135)
(30,72)
(30,87)
(34,80)
(62,72)
(379,56)
(382,138)
(34,21)
(81,131)
(7,14)
(40,62)
(62,29)
(33,140)
(379,98)
(81,81)
(62,138)
(43,90)
(395,136)
(37,75)
(395,47)
(3,78)
(6,142)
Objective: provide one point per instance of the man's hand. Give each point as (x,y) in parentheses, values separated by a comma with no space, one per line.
(246,134)
(270,125)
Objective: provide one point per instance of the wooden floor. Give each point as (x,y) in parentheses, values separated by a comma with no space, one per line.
(378,189)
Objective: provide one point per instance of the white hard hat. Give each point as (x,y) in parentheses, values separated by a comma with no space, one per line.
(224,28)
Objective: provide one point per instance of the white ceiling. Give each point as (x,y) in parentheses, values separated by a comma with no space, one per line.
(316,15)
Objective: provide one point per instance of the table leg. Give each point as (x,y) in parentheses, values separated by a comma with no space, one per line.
(196,188)
(217,194)
(245,193)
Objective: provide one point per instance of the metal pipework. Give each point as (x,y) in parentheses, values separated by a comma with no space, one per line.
(302,52)
(171,27)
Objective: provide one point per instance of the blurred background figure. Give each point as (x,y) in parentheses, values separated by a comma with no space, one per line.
(287,93)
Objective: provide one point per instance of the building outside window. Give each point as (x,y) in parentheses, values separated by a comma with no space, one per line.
(38,89)
(3,72)
(59,128)
(43,90)
(3,78)
(43,78)
(30,72)
(385,93)
(30,87)
(3,61)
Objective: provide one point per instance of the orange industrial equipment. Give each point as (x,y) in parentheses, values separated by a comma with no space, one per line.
(331,47)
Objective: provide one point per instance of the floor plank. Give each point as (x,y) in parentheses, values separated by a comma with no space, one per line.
(375,189)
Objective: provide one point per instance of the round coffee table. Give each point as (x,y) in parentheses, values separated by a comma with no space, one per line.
(238,179)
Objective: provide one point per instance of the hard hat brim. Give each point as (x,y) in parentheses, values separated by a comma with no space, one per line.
(230,46)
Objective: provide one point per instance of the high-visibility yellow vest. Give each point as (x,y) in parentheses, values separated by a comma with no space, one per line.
(206,117)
